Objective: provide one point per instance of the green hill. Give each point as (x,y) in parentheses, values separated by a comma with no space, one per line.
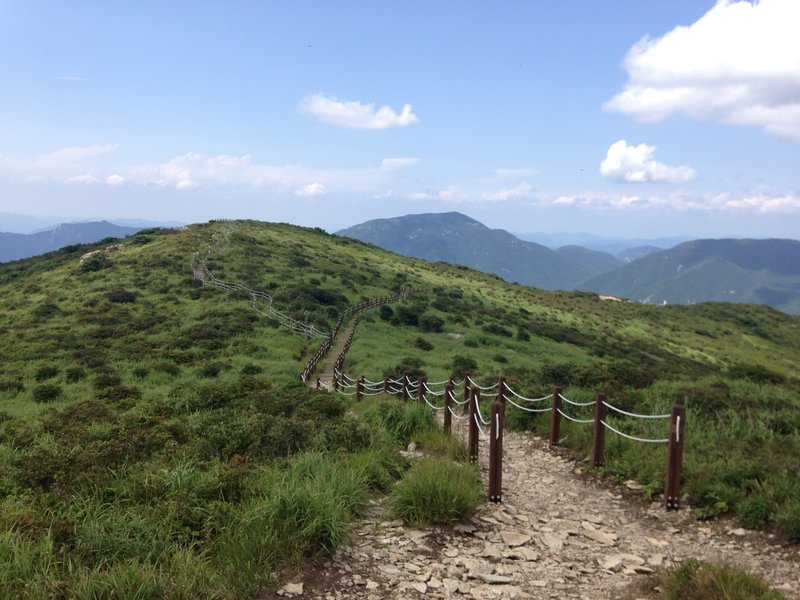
(460,240)
(757,271)
(154,433)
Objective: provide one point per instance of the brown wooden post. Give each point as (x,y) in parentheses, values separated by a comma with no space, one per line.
(448,407)
(496,453)
(319,383)
(555,417)
(472,438)
(501,390)
(404,393)
(598,448)
(360,389)
(385,385)
(335,380)
(672,486)
(421,390)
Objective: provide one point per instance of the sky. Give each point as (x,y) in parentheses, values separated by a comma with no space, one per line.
(619,118)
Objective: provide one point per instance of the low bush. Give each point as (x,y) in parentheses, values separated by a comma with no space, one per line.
(436,491)
(45,372)
(401,420)
(694,580)
(46,392)
(75,374)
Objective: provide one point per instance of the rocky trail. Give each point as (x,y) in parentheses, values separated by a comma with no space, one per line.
(557,534)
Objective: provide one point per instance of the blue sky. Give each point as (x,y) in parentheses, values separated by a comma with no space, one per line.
(619,118)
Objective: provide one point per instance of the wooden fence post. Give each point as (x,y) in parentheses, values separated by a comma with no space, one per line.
(472,438)
(404,393)
(496,453)
(319,383)
(598,448)
(385,385)
(555,417)
(360,389)
(672,486)
(335,380)
(448,407)
(421,390)
(465,406)
(501,391)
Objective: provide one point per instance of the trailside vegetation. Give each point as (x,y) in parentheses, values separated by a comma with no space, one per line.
(156,441)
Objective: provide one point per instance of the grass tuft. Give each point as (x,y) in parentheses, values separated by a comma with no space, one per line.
(695,580)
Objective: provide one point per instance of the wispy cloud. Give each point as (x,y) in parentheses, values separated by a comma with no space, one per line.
(760,202)
(739,63)
(514,173)
(311,190)
(70,78)
(521,190)
(354,114)
(635,164)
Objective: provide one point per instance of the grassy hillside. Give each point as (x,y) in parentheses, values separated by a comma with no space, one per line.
(154,432)
(759,271)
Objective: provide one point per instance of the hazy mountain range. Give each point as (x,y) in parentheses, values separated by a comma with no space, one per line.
(14,246)
(732,270)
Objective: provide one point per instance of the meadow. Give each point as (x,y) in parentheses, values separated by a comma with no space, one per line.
(155,438)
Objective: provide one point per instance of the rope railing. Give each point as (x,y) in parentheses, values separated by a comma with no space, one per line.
(633,437)
(478,411)
(635,415)
(456,400)
(482,433)
(527,408)
(482,388)
(430,391)
(573,403)
(573,419)
(524,399)
(459,417)
(428,402)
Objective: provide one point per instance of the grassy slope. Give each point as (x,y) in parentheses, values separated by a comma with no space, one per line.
(175,405)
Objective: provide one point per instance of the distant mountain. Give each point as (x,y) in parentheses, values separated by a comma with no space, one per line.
(757,271)
(631,254)
(458,239)
(14,246)
(599,262)
(612,245)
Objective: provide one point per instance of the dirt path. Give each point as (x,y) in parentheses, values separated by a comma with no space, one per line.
(326,374)
(557,534)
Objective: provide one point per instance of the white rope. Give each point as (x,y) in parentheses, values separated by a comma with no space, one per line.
(480,429)
(367,381)
(678,430)
(424,397)
(456,400)
(524,399)
(632,437)
(568,401)
(396,381)
(483,389)
(446,381)
(635,415)
(430,391)
(530,410)
(574,420)
(497,429)
(478,412)
(459,417)
(395,391)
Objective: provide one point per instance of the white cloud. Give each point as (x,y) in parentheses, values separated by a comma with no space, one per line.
(392,164)
(82,179)
(115,179)
(761,202)
(354,114)
(521,190)
(739,63)
(312,190)
(448,194)
(636,164)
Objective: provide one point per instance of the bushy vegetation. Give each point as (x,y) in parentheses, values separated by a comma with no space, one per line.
(694,580)
(155,440)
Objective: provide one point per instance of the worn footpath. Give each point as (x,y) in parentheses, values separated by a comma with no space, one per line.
(557,534)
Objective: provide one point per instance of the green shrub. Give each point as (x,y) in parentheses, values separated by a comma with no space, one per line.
(423,344)
(694,580)
(75,374)
(463,364)
(401,420)
(435,442)
(431,323)
(753,512)
(46,392)
(436,491)
(121,296)
(251,369)
(106,380)
(98,262)
(788,518)
(45,372)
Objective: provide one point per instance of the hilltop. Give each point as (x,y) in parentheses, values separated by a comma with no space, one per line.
(152,428)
